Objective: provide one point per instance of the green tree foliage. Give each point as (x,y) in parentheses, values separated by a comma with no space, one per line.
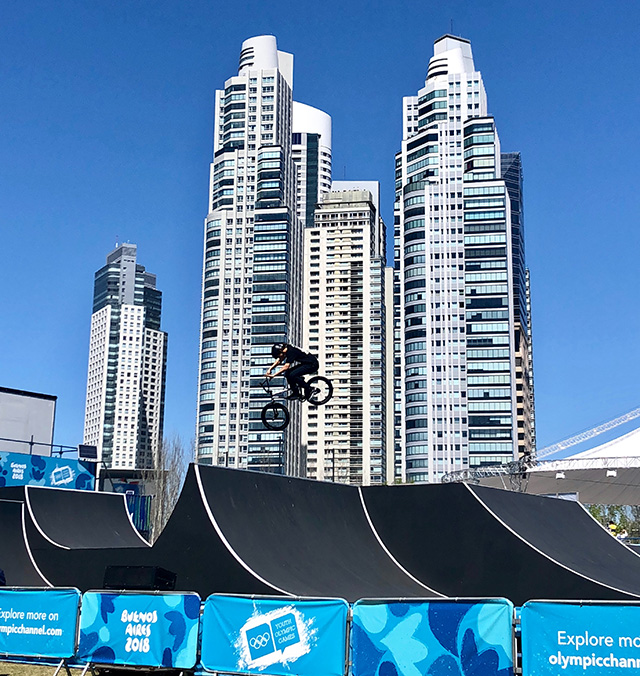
(626,517)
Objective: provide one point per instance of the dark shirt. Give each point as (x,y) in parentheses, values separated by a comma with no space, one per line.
(295,355)
(3,581)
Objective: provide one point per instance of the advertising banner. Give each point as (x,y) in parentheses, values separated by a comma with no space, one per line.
(142,630)
(572,638)
(19,469)
(38,623)
(281,637)
(449,638)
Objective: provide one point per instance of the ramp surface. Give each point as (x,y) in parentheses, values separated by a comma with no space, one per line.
(191,547)
(449,538)
(306,538)
(15,559)
(76,519)
(565,532)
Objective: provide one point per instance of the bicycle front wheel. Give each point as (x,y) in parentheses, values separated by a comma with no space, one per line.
(320,390)
(275,416)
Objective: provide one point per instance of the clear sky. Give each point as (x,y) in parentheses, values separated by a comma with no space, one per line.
(106,116)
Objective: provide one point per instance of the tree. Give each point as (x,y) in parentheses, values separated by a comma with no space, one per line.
(164,482)
(622,515)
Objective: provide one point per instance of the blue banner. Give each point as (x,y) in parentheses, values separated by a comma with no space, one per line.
(142,630)
(19,469)
(449,638)
(575,638)
(249,635)
(38,623)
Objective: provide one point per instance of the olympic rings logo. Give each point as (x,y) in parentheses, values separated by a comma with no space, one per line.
(257,642)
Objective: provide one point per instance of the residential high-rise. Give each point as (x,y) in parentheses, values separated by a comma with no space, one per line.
(346,439)
(127,364)
(253,256)
(312,157)
(511,172)
(461,311)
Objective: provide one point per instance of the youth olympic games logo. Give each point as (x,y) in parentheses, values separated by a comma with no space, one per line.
(260,641)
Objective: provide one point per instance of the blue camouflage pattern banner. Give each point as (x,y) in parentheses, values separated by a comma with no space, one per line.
(20,469)
(146,630)
(572,638)
(248,635)
(437,638)
(39,623)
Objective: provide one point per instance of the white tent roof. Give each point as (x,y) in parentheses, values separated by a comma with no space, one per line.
(608,474)
(626,446)
(621,452)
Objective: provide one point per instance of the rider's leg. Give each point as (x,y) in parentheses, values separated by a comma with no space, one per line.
(295,379)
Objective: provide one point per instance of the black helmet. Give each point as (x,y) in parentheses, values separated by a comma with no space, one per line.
(277,350)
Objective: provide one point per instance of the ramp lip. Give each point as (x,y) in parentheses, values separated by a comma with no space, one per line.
(224,540)
(532,546)
(386,550)
(28,548)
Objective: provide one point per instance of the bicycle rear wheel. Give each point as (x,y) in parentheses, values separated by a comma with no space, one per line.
(319,390)
(275,416)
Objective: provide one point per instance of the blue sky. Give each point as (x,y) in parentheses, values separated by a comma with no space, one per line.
(106,114)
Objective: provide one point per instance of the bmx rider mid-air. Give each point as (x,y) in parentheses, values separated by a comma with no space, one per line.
(294,363)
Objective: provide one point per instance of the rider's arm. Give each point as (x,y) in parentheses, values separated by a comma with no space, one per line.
(282,370)
(275,363)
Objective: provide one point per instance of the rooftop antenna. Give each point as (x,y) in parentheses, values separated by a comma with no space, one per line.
(117,245)
(451,22)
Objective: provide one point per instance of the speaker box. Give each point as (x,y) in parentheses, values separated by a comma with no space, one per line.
(149,578)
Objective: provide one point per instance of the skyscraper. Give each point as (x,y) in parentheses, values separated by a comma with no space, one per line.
(253,256)
(346,325)
(461,311)
(124,411)
(312,157)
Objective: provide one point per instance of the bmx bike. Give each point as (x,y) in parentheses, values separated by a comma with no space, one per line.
(275,415)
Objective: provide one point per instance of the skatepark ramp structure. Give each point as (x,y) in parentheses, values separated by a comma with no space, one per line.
(243,532)
(75,519)
(467,540)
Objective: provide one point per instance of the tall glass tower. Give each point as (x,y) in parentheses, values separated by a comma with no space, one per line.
(252,270)
(124,411)
(461,310)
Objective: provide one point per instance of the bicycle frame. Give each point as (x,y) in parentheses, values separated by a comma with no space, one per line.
(277,395)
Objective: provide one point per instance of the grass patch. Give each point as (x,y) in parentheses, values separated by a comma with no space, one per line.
(11,669)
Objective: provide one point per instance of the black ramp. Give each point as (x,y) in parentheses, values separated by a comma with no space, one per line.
(446,537)
(564,531)
(82,519)
(19,568)
(308,538)
(190,547)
